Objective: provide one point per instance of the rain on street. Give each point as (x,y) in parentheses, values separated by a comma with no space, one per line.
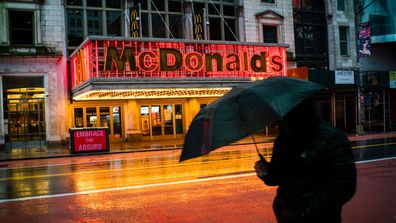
(147,187)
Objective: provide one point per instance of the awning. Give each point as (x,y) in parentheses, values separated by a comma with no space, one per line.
(150,88)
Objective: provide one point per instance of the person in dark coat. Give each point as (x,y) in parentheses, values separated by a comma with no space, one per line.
(312,165)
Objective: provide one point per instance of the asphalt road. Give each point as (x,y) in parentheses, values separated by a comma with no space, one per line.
(155,187)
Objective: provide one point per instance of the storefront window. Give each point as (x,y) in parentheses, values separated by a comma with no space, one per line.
(91,117)
(104,116)
(156,120)
(168,119)
(144,117)
(165,120)
(78,117)
(179,119)
(117,127)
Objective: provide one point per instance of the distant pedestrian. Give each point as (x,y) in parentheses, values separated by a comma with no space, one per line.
(313,166)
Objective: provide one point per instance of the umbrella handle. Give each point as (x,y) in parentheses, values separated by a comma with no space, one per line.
(257,150)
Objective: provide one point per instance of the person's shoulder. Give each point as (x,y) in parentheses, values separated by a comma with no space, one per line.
(328,132)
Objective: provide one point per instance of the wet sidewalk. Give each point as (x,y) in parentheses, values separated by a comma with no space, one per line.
(141,146)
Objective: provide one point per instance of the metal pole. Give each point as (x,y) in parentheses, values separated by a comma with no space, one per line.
(358,105)
(345,120)
(333,105)
(383,109)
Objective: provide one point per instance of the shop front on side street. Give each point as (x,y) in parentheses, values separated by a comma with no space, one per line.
(151,89)
(357,103)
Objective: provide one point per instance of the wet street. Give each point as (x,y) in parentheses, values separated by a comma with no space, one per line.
(151,186)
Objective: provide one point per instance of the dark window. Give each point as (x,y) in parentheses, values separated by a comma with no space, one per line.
(310,33)
(215,29)
(341,5)
(175,26)
(21,27)
(268,1)
(113,4)
(159,31)
(229,10)
(157,5)
(143,3)
(74,2)
(270,34)
(94,19)
(343,40)
(229,31)
(144,22)
(175,6)
(198,7)
(94,3)
(75,28)
(113,23)
(214,9)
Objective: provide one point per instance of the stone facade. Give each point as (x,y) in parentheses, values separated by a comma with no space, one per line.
(45,58)
(50,38)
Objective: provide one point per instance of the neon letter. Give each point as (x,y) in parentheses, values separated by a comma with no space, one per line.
(112,56)
(233,64)
(210,57)
(277,61)
(142,60)
(163,59)
(190,62)
(262,66)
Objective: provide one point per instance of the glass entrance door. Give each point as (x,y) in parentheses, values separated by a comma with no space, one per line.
(161,121)
(25,117)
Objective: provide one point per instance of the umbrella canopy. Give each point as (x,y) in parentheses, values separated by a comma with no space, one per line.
(244,110)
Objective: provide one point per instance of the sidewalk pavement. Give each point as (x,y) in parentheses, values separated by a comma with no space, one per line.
(141,146)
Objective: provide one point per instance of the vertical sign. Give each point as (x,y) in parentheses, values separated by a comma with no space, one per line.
(134,16)
(199,25)
(392,79)
(364,39)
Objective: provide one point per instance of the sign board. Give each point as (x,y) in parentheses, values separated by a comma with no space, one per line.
(83,140)
(392,79)
(199,24)
(344,77)
(135,19)
(145,58)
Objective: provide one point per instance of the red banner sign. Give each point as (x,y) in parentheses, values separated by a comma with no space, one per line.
(89,140)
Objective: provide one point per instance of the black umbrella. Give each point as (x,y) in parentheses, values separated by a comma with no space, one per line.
(244,110)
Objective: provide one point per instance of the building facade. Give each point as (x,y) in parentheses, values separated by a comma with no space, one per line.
(377,68)
(33,73)
(58,62)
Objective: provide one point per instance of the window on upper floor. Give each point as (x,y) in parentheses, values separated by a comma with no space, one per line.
(21,25)
(165,18)
(92,17)
(343,32)
(268,1)
(270,34)
(341,5)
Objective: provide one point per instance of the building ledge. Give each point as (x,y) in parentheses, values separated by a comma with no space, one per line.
(28,51)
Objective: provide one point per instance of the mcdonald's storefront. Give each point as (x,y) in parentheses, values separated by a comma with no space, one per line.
(151,89)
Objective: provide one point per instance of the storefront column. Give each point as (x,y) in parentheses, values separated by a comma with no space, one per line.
(359,128)
(333,109)
(2,132)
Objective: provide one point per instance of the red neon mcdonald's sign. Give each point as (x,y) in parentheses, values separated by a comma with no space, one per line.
(120,57)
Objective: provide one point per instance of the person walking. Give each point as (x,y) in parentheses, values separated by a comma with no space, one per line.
(313,166)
